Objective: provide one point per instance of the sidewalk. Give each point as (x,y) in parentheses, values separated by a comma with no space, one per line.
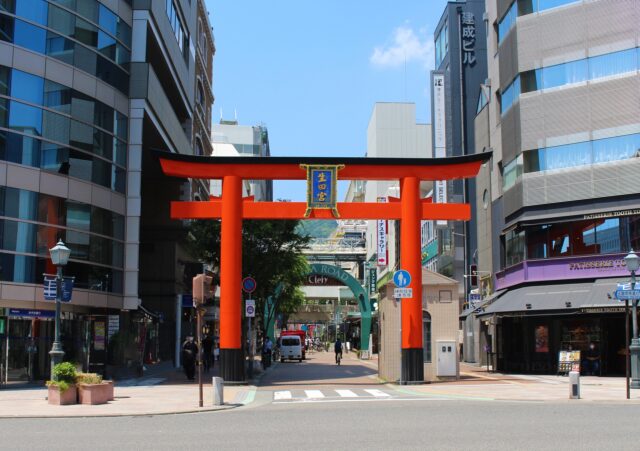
(477,384)
(163,390)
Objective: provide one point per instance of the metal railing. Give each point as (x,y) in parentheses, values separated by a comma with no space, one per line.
(333,245)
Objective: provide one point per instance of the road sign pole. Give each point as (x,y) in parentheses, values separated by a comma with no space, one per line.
(626,349)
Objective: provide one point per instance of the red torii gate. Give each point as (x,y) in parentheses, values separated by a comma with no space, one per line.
(410,209)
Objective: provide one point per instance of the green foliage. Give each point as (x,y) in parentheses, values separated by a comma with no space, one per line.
(88,378)
(64,372)
(62,385)
(317,228)
(271,254)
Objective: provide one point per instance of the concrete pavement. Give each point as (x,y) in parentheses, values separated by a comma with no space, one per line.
(165,390)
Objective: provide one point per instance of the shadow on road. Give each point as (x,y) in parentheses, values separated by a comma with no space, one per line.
(320,369)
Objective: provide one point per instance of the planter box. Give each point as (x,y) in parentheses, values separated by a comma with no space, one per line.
(110,383)
(65,398)
(95,393)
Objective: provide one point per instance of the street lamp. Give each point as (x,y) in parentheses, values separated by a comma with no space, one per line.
(632,262)
(59,257)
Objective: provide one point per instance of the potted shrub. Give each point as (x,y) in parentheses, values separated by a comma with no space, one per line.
(92,389)
(62,389)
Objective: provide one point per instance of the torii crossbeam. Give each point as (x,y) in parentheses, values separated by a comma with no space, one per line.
(410,209)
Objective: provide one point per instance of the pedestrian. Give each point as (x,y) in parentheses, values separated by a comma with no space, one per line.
(207,353)
(189,357)
(267,347)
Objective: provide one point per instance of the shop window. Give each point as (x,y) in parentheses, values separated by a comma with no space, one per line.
(514,247)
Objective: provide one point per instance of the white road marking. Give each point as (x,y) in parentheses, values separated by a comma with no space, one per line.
(281,395)
(377,393)
(346,393)
(314,394)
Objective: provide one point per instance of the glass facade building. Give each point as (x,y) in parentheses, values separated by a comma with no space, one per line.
(82,103)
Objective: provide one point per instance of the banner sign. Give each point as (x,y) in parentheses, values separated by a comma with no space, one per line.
(50,288)
(439,137)
(322,187)
(383,252)
(99,336)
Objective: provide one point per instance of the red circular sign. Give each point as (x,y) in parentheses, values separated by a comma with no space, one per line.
(249,284)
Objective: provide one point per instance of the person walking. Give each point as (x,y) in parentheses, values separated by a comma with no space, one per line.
(207,353)
(189,357)
(267,347)
(337,348)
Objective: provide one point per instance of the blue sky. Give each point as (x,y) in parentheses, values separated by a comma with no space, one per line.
(312,71)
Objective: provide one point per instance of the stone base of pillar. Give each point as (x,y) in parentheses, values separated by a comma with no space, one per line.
(412,366)
(634,350)
(232,366)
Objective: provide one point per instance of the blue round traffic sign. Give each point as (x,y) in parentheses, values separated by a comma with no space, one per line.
(249,284)
(401,278)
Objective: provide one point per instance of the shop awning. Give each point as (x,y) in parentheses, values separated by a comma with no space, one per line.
(587,297)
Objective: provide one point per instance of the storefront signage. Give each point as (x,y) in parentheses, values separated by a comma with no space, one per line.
(597,264)
(568,361)
(114,325)
(98,335)
(373,280)
(31,313)
(468,22)
(383,253)
(602,310)
(613,214)
(320,280)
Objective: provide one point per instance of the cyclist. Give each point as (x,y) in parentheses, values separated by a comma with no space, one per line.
(337,348)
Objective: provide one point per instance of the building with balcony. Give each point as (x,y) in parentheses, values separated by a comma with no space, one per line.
(558,208)
(87,90)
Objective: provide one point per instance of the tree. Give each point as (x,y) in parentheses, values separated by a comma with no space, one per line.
(271,254)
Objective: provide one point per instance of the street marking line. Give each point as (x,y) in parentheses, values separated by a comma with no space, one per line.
(346,393)
(282,395)
(314,394)
(362,399)
(377,393)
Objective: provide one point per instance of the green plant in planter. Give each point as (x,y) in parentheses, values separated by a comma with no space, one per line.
(64,372)
(62,385)
(88,378)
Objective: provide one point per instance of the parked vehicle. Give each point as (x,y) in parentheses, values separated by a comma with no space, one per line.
(298,333)
(291,348)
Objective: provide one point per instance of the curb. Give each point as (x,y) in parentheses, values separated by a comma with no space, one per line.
(115,415)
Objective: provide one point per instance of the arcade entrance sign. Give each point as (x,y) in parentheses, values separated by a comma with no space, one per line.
(232,209)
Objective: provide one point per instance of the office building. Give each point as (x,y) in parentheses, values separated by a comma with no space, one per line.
(558,208)
(87,89)
(460,69)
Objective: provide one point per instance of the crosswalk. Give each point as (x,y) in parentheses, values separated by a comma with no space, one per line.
(331,395)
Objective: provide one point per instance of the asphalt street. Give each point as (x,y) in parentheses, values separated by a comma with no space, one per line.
(328,417)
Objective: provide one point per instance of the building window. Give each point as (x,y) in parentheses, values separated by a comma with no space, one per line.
(512,172)
(442,44)
(524,7)
(509,95)
(426,336)
(514,247)
(179,30)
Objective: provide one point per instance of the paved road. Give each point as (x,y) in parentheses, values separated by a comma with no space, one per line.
(343,409)
(397,425)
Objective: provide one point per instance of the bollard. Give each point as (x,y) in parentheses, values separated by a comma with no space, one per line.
(218,391)
(574,385)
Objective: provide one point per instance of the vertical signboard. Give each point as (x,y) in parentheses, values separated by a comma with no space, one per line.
(373,280)
(439,137)
(383,252)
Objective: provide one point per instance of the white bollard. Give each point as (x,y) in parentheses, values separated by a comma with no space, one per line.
(218,391)
(574,385)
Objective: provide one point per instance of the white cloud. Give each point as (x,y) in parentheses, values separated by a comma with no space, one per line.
(406,46)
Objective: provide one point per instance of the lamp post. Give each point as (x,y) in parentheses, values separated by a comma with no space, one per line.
(59,257)
(632,262)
